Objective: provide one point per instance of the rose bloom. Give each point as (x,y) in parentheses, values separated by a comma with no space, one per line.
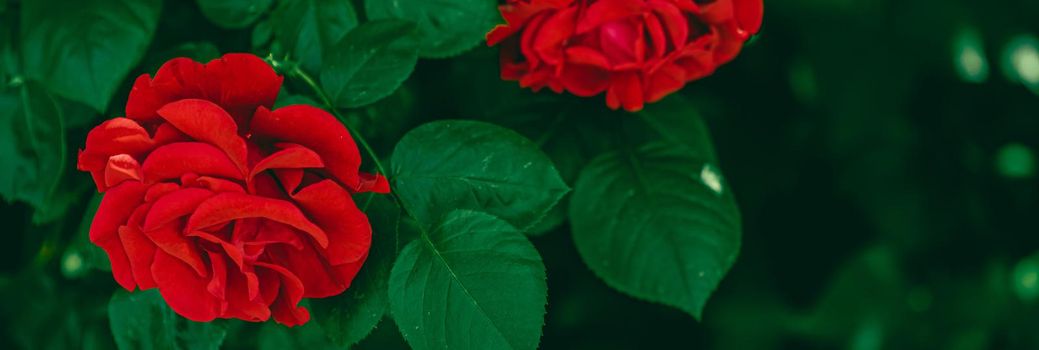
(231,209)
(637,51)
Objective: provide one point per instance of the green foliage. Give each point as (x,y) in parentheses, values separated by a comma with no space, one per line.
(885,173)
(32,147)
(306,337)
(657,223)
(310,28)
(448,165)
(445,27)
(472,282)
(369,63)
(85,54)
(233,14)
(141,320)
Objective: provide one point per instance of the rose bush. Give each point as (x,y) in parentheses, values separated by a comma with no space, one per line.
(635,51)
(229,208)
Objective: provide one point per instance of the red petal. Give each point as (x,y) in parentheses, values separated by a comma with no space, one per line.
(749,14)
(347,272)
(242,304)
(318,277)
(582,80)
(160,189)
(587,56)
(121,167)
(115,136)
(237,82)
(373,183)
(516,16)
(115,209)
(665,81)
(605,11)
(229,206)
(291,178)
(275,233)
(240,83)
(218,185)
(175,205)
(286,307)
(548,43)
(207,122)
(176,159)
(292,156)
(140,252)
(317,130)
(217,285)
(349,233)
(170,239)
(183,289)
(674,21)
(625,90)
(176,79)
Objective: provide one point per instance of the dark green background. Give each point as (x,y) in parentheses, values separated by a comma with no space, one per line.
(887,201)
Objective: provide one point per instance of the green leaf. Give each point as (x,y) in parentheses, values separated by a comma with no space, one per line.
(350,317)
(368,64)
(473,282)
(445,27)
(677,121)
(447,165)
(32,147)
(308,28)
(657,223)
(81,256)
(141,320)
(273,336)
(83,49)
(233,14)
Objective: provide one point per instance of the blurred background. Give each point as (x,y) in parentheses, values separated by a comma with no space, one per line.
(883,154)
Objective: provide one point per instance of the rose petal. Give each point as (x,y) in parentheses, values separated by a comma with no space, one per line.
(318,277)
(286,307)
(548,43)
(175,205)
(115,209)
(292,156)
(373,183)
(349,233)
(140,252)
(229,206)
(583,80)
(176,159)
(316,130)
(207,122)
(170,239)
(217,285)
(605,11)
(749,14)
(237,82)
(625,90)
(184,291)
(121,167)
(242,304)
(113,137)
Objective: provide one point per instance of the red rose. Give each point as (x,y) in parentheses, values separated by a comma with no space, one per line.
(232,210)
(637,51)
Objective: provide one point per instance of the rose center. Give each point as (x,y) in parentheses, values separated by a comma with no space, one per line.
(617,40)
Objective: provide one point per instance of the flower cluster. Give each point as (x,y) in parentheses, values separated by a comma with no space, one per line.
(637,51)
